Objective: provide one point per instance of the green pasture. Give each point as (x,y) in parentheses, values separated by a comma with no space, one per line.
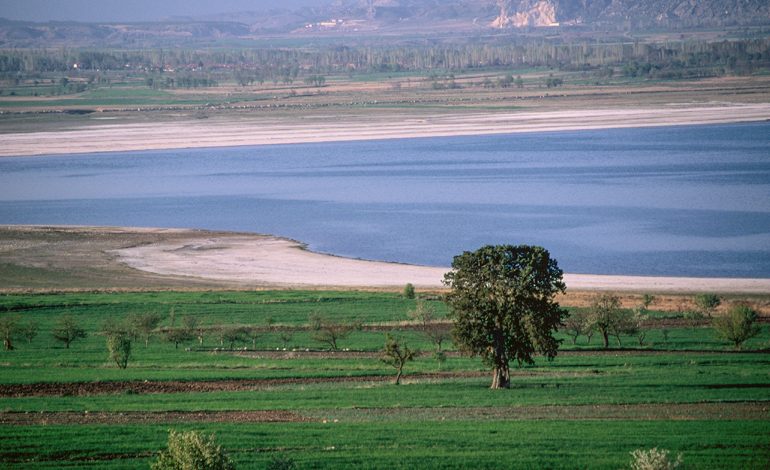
(408,445)
(432,420)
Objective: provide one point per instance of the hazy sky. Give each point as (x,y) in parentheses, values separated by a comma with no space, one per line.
(133,10)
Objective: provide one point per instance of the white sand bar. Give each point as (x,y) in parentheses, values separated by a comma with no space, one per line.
(272,261)
(261,130)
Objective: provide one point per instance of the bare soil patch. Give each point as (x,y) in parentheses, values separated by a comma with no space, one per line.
(173,386)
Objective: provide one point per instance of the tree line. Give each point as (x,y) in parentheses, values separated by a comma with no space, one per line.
(260,64)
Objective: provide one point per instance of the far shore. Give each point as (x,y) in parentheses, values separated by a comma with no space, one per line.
(227,132)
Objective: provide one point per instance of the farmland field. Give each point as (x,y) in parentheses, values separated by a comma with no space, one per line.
(282,392)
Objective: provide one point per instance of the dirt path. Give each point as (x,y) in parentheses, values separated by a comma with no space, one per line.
(175,386)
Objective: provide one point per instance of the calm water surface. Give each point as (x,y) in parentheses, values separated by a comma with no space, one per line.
(659,201)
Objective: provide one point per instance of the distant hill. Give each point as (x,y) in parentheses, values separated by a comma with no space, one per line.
(393,16)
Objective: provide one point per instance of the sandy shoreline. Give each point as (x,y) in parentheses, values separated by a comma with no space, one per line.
(189,133)
(286,263)
(81,257)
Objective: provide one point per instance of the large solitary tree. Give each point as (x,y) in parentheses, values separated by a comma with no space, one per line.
(503,307)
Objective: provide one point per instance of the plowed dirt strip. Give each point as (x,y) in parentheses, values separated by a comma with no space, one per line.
(140,417)
(140,387)
(665,411)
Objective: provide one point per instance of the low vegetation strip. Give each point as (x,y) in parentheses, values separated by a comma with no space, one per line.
(85,418)
(754,411)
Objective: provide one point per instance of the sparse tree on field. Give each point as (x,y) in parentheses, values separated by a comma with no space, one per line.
(503,307)
(576,324)
(707,304)
(178,336)
(253,333)
(286,336)
(185,333)
(8,329)
(738,326)
(144,324)
(194,451)
(409,291)
(604,315)
(626,323)
(29,330)
(647,300)
(396,355)
(234,334)
(425,314)
(194,328)
(68,331)
(329,333)
(641,327)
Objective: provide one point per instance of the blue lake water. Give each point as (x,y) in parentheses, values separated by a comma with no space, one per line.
(691,200)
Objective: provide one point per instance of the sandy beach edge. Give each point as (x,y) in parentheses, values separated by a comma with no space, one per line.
(189,134)
(258,260)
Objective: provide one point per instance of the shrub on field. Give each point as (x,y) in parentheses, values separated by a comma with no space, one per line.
(192,451)
(281,462)
(119,337)
(654,459)
(409,291)
(119,348)
(8,328)
(707,304)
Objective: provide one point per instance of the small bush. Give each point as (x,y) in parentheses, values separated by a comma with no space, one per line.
(653,459)
(119,349)
(409,291)
(192,451)
(281,462)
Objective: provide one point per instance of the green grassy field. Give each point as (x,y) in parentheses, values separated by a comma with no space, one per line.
(689,393)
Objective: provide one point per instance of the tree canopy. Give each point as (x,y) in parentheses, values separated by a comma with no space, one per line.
(503,307)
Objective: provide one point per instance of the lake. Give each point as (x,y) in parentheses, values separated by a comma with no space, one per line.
(682,201)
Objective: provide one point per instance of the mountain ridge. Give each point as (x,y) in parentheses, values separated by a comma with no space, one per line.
(394,16)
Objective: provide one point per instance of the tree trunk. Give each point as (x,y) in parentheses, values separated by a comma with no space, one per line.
(7,344)
(398,377)
(501,377)
(606,339)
